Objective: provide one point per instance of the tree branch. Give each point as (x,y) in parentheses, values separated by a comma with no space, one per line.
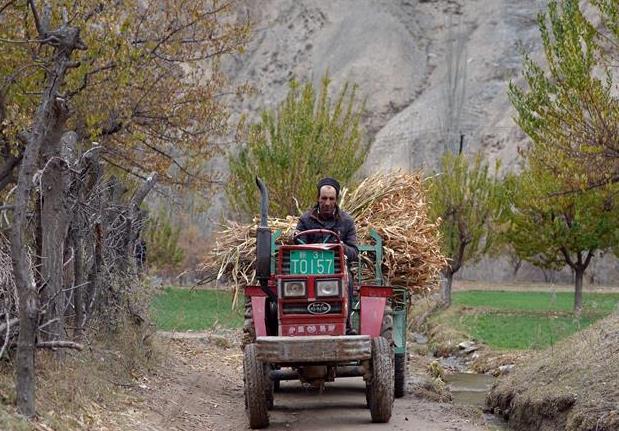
(8,324)
(6,5)
(141,193)
(60,344)
(568,259)
(37,20)
(588,259)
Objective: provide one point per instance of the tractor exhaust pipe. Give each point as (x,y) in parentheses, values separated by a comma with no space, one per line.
(263,241)
(264,204)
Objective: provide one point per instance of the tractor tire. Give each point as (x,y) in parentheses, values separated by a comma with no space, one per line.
(399,360)
(276,386)
(269,385)
(255,392)
(381,383)
(401,373)
(386,330)
(249,331)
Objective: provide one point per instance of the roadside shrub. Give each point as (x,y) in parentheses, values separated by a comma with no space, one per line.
(162,244)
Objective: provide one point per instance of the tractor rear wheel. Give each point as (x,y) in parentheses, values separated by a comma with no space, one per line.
(269,385)
(386,329)
(255,392)
(400,369)
(399,359)
(276,386)
(381,384)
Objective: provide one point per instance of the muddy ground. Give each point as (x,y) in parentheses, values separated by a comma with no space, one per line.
(200,387)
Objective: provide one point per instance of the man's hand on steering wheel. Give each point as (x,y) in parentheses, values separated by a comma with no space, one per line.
(327,235)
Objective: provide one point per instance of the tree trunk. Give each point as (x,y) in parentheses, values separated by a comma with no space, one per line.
(28,322)
(579,273)
(48,115)
(94,274)
(56,216)
(50,110)
(446,281)
(78,281)
(55,223)
(579,266)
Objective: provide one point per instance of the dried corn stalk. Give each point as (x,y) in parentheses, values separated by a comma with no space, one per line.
(394,205)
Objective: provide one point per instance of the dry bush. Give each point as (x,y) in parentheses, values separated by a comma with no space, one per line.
(79,392)
(433,389)
(83,391)
(422,307)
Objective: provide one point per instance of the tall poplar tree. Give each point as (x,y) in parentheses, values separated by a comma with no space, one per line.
(309,136)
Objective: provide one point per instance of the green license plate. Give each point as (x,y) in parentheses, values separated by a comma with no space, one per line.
(312,262)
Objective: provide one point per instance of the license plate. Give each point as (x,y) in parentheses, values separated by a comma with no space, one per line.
(312,262)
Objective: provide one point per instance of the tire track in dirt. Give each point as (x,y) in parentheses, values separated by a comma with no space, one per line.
(199,386)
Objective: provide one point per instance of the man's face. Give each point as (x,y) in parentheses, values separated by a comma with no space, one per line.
(327,200)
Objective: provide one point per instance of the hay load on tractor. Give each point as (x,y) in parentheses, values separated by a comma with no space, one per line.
(297,310)
(393,205)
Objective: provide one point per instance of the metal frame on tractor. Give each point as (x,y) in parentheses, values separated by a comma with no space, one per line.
(304,337)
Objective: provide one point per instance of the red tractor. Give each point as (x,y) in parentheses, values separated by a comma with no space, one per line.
(295,327)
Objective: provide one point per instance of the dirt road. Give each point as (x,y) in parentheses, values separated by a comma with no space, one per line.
(200,387)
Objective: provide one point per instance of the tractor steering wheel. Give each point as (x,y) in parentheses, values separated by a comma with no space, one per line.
(328,234)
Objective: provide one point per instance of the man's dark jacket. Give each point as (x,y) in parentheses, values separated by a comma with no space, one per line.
(342,224)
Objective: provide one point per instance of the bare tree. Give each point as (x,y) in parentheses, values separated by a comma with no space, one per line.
(47,127)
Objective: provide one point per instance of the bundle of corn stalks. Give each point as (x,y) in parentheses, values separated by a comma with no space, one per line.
(394,205)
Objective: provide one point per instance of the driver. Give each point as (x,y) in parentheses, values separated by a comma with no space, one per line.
(327,215)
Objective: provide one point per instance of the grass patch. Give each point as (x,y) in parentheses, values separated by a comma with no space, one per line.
(536,301)
(513,331)
(183,310)
(509,320)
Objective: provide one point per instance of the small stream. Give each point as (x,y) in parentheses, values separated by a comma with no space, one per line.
(471,389)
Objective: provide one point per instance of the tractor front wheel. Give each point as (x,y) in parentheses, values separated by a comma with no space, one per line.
(269,385)
(380,388)
(256,405)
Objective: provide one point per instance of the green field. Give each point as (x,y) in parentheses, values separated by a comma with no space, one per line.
(525,320)
(501,319)
(184,309)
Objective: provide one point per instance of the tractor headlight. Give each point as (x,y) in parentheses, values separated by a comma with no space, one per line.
(294,288)
(327,288)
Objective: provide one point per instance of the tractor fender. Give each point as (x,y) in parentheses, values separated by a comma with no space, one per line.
(258,309)
(372,308)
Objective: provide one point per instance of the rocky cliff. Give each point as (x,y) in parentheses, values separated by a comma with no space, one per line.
(434,74)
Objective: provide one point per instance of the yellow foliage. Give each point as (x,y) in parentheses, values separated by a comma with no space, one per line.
(148,87)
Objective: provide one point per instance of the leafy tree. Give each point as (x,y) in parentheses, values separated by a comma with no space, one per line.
(569,109)
(564,206)
(143,78)
(468,199)
(553,230)
(306,138)
(146,83)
